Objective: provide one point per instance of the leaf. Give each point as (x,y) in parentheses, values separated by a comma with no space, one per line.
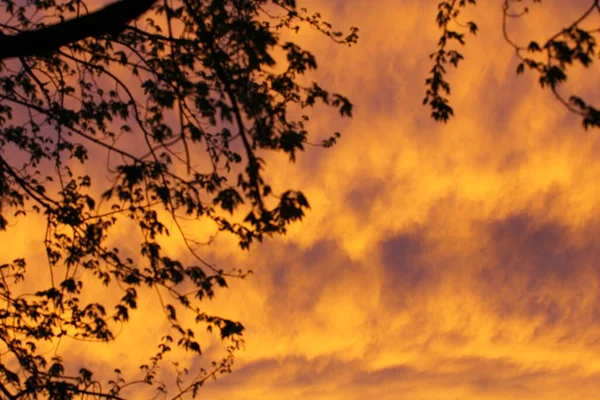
(220,281)
(230,328)
(534,47)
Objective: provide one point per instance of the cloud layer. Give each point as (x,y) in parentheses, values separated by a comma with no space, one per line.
(454,261)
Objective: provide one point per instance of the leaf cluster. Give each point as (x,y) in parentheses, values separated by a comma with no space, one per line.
(551,60)
(453,32)
(182,104)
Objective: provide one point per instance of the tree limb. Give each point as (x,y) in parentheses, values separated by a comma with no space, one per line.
(8,394)
(110,19)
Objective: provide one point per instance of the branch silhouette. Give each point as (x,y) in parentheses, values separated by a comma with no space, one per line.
(110,19)
(206,90)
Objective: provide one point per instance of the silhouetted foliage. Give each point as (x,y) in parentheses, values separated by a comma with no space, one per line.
(551,60)
(178,101)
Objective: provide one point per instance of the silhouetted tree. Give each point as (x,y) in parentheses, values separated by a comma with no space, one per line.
(178,100)
(576,44)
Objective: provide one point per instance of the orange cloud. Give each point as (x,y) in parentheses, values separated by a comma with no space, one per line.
(438,261)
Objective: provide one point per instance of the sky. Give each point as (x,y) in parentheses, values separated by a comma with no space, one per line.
(438,261)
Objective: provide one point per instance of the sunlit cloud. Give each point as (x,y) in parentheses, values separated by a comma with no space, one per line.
(437,261)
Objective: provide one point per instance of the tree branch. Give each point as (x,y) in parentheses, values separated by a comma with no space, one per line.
(8,394)
(110,19)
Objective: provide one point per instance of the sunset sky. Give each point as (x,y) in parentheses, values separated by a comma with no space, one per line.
(455,261)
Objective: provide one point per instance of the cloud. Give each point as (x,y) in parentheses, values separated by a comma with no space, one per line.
(438,261)
(454,261)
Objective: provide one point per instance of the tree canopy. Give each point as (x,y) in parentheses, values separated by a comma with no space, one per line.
(179,101)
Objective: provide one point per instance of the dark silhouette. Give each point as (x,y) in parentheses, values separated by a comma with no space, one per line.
(111,19)
(551,60)
(191,84)
(89,87)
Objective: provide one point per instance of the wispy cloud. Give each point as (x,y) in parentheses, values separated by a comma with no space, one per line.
(454,261)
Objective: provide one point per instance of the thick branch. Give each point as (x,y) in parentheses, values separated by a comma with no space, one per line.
(8,394)
(110,19)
